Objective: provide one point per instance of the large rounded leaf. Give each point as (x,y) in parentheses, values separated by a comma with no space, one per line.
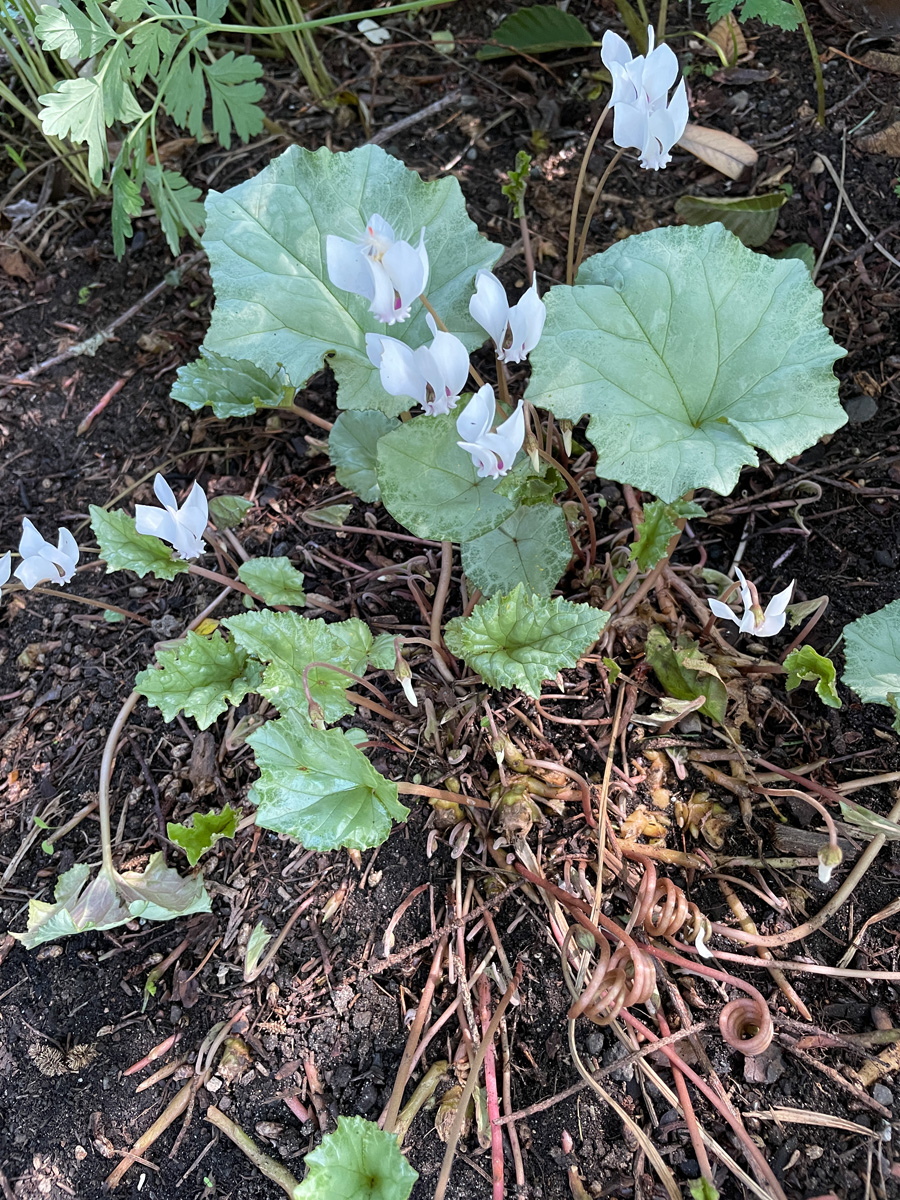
(872,654)
(275,303)
(686,350)
(531,547)
(429,484)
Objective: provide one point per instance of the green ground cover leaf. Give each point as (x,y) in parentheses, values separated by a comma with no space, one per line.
(687,350)
(352,447)
(275,304)
(288,643)
(430,486)
(751,218)
(658,528)
(203,832)
(872,658)
(519,640)
(277,580)
(685,673)
(124,549)
(231,387)
(537,29)
(199,678)
(315,786)
(531,547)
(804,663)
(357,1162)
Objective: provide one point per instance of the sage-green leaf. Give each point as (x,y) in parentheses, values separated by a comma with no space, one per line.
(428,483)
(227,512)
(203,832)
(315,786)
(358,1162)
(519,640)
(275,303)
(383,655)
(231,387)
(872,657)
(531,547)
(658,528)
(199,678)
(352,447)
(289,642)
(686,350)
(277,580)
(751,218)
(124,549)
(685,673)
(804,663)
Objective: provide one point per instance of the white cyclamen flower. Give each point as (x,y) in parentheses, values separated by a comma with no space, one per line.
(42,561)
(434,375)
(181,527)
(493,452)
(643,115)
(389,273)
(515,330)
(753,619)
(5,567)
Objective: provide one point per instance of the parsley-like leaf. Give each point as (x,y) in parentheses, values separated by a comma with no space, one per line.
(75,110)
(234,97)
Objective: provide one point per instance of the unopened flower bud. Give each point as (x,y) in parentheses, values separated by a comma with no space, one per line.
(403,675)
(704,930)
(565,428)
(829,857)
(316,715)
(531,448)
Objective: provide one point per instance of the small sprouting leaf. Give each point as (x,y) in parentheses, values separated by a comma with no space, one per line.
(871,823)
(227,512)
(429,484)
(275,302)
(685,673)
(177,204)
(126,203)
(514,191)
(703,1189)
(530,547)
(751,218)
(352,447)
(315,786)
(358,1162)
(277,580)
(524,487)
(74,110)
(235,94)
(872,657)
(256,943)
(804,663)
(72,32)
(199,678)
(687,351)
(658,528)
(124,549)
(231,387)
(289,642)
(538,29)
(204,831)
(520,640)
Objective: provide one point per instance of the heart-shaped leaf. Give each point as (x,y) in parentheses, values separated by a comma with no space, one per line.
(872,656)
(530,547)
(358,1161)
(353,446)
(687,350)
(199,678)
(276,579)
(275,303)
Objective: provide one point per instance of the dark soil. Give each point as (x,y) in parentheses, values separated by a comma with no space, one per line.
(332,1000)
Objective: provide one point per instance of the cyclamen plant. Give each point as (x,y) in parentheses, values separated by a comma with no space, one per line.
(684,349)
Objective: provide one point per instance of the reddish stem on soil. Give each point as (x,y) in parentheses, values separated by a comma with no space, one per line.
(490,1087)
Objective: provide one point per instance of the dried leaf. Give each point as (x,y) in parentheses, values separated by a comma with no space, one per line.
(719,150)
(12,263)
(729,37)
(886,141)
(878,60)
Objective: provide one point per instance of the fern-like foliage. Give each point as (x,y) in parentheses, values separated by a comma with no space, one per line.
(771,12)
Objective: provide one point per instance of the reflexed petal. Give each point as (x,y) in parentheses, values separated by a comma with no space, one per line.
(31,543)
(66,554)
(660,72)
(382,292)
(164,493)
(526,323)
(507,441)
(379,235)
(485,460)
(5,567)
(397,365)
(722,610)
(408,274)
(450,365)
(36,569)
(614,49)
(678,112)
(625,83)
(746,595)
(779,603)
(629,126)
(195,511)
(348,267)
(158,522)
(477,417)
(489,306)
(651,39)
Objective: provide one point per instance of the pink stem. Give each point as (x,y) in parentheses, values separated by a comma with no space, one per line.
(490,1087)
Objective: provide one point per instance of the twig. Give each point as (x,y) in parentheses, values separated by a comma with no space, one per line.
(102,403)
(273,1170)
(490,1089)
(389,1116)
(423,114)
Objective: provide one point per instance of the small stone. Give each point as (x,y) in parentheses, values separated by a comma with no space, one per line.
(883,1095)
(214,1084)
(860,408)
(80,1154)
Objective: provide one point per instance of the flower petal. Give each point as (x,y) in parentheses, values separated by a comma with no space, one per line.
(526,323)
(629,126)
(407,269)
(779,603)
(484,459)
(194,512)
(614,49)
(36,569)
(164,493)
(659,73)
(347,267)
(477,417)
(400,375)
(5,567)
(489,306)
(31,543)
(720,609)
